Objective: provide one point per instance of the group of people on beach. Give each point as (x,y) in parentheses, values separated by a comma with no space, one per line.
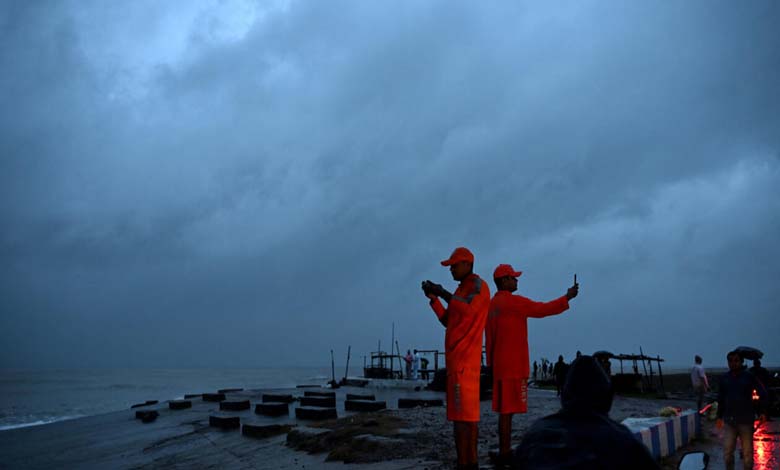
(557,372)
(582,427)
(416,366)
(581,434)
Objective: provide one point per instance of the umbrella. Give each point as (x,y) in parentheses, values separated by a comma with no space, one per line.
(751,354)
(606,354)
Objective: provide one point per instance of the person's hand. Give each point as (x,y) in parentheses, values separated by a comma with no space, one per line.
(426,287)
(437,290)
(719,424)
(573,291)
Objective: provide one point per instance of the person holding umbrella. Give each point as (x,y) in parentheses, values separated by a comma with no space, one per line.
(735,409)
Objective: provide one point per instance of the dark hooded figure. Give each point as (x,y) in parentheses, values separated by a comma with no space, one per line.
(581,435)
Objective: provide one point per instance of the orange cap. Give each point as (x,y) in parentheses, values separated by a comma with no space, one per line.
(460,254)
(504,270)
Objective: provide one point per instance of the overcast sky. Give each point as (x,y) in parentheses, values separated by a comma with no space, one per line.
(240,184)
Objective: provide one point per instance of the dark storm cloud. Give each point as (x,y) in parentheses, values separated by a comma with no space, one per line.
(176,196)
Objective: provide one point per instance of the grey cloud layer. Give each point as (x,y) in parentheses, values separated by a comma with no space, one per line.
(295,185)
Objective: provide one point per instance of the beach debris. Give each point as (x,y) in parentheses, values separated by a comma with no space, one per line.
(269,397)
(364,405)
(364,438)
(712,412)
(213,396)
(415,402)
(146,403)
(179,404)
(272,409)
(325,402)
(234,405)
(230,390)
(146,416)
(264,431)
(669,411)
(224,421)
(355,396)
(315,413)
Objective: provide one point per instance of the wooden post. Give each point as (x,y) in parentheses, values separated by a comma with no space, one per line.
(346,371)
(644,366)
(333,366)
(400,361)
(660,374)
(392,340)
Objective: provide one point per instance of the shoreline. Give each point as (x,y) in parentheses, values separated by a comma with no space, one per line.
(387,440)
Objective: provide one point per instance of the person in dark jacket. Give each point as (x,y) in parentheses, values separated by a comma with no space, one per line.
(581,435)
(559,371)
(760,373)
(735,410)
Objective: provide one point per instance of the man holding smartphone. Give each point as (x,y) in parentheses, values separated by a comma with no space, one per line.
(464,319)
(507,348)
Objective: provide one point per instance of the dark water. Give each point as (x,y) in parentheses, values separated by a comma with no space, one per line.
(32,397)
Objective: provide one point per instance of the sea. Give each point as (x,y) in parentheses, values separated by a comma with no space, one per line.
(31,397)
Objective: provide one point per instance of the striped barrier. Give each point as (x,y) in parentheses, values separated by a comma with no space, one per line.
(663,436)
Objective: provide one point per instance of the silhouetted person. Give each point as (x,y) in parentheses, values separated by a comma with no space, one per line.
(424,370)
(735,410)
(699,381)
(559,372)
(581,435)
(536,369)
(464,319)
(506,349)
(408,360)
(760,372)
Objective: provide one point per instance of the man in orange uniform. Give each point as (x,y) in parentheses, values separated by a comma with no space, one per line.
(507,348)
(464,318)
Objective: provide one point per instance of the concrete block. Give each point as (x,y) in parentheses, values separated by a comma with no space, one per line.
(273,398)
(355,396)
(315,413)
(326,402)
(224,422)
(234,405)
(146,416)
(364,405)
(179,404)
(272,409)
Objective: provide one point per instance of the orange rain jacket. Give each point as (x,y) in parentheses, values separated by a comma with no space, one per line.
(464,318)
(506,333)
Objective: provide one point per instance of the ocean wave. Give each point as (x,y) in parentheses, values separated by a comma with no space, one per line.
(6,427)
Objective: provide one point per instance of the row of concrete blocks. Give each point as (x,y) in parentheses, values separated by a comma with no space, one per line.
(281,408)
